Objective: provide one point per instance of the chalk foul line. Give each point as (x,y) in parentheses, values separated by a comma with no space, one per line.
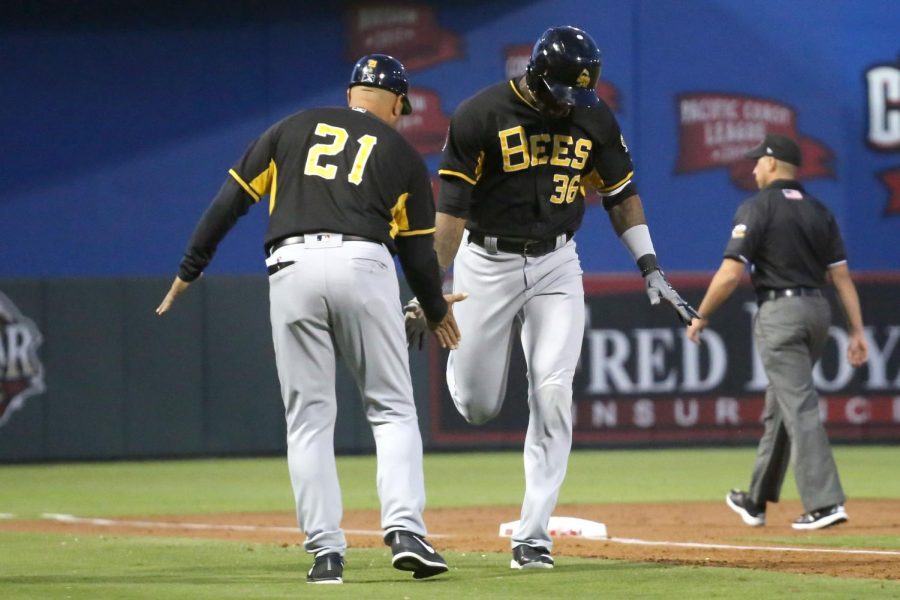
(64,518)
(704,546)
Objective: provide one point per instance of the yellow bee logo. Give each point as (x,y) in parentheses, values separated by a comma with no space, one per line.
(584,79)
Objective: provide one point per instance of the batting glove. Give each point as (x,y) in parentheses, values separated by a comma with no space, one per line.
(658,288)
(416,324)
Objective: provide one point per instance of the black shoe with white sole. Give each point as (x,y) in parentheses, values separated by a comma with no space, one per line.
(413,553)
(328,568)
(821,518)
(751,513)
(530,557)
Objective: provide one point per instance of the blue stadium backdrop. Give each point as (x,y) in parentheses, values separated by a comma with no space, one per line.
(120,121)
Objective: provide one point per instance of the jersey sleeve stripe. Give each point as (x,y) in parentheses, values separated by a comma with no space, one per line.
(736,256)
(274,188)
(248,187)
(415,232)
(462,176)
(399,220)
(837,264)
(244,185)
(612,190)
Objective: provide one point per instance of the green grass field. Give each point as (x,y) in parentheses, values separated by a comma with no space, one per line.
(69,566)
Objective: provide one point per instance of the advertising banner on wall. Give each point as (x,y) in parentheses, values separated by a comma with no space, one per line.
(641,382)
(21,371)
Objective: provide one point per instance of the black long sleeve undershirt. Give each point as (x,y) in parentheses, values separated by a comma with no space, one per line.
(229,205)
(416,254)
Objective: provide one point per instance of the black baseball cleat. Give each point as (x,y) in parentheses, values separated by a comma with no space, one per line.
(328,568)
(821,518)
(530,557)
(413,553)
(752,514)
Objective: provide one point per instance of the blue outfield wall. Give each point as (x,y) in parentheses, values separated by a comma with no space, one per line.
(122,118)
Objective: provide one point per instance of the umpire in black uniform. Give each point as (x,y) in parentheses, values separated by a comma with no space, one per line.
(792,244)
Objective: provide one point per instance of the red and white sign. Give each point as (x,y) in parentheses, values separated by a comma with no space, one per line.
(715,130)
(426,127)
(883,134)
(408,31)
(641,381)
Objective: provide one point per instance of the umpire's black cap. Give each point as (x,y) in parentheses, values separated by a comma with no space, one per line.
(777,146)
(385,72)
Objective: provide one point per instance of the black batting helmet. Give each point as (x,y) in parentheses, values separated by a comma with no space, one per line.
(385,72)
(565,62)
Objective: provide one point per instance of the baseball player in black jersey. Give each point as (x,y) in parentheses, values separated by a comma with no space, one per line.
(793,245)
(345,192)
(518,158)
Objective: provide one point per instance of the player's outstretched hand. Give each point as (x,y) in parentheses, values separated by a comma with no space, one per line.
(178,286)
(659,288)
(447,331)
(416,324)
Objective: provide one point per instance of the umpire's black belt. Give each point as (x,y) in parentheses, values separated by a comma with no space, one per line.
(299,239)
(762,295)
(516,245)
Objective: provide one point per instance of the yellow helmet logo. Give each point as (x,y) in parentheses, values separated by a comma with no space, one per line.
(584,79)
(372,63)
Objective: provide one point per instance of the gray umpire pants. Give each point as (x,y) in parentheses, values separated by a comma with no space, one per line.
(344,301)
(790,335)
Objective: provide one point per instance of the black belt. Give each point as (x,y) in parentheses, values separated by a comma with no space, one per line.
(771,294)
(520,246)
(299,239)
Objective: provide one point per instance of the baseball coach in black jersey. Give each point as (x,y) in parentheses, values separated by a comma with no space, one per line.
(518,158)
(793,246)
(346,191)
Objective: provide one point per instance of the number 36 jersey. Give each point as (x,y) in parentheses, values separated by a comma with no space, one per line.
(339,170)
(529,173)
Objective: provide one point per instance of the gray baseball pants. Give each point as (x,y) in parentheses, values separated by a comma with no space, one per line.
(541,302)
(343,300)
(790,335)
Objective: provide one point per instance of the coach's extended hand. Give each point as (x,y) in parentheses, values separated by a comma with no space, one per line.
(178,287)
(658,288)
(446,331)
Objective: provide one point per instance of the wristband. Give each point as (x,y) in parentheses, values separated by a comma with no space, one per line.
(647,264)
(637,240)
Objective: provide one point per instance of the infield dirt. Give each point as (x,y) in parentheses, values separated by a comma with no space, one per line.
(476,530)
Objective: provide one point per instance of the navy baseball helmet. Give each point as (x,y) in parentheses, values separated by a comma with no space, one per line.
(565,63)
(385,72)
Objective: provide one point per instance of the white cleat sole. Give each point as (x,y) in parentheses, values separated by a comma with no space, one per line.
(838,517)
(746,517)
(514,564)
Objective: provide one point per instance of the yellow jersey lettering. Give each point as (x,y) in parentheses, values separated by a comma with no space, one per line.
(561,145)
(582,153)
(539,154)
(514,146)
